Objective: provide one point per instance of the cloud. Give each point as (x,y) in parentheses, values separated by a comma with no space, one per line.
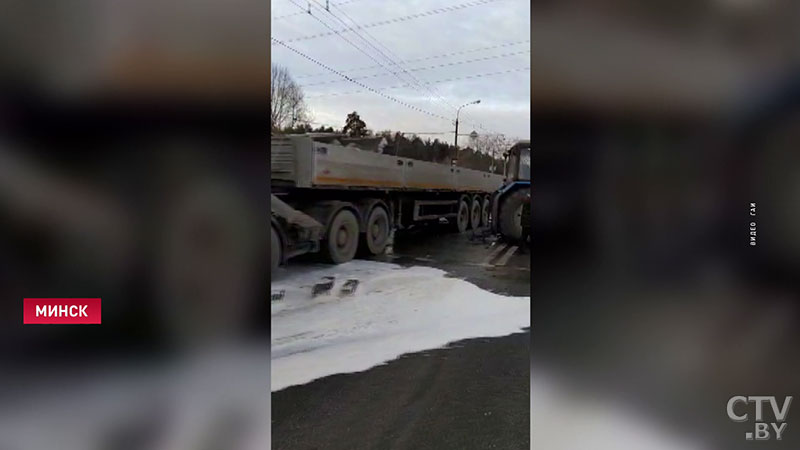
(427,40)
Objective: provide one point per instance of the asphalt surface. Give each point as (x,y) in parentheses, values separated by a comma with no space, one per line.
(474,394)
(495,266)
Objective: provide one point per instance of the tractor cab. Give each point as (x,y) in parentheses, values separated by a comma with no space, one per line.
(518,162)
(511,204)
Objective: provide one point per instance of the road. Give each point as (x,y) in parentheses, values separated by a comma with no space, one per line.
(497,267)
(473,394)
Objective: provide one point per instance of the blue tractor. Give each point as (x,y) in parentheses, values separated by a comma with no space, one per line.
(511,204)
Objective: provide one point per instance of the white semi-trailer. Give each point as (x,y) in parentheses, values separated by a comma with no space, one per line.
(343,199)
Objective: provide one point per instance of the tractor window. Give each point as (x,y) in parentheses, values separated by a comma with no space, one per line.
(525,164)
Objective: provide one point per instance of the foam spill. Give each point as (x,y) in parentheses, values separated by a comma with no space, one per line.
(394,310)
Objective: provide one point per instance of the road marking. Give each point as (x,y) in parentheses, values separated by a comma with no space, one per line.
(504,259)
(494,253)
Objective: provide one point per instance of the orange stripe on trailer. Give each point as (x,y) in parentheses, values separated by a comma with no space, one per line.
(363,182)
(355,182)
(430,186)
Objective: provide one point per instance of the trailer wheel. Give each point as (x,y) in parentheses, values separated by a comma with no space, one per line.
(475,213)
(460,223)
(512,224)
(276,249)
(485,211)
(341,240)
(376,236)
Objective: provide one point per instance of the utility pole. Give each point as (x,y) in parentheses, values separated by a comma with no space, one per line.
(456,136)
(458,111)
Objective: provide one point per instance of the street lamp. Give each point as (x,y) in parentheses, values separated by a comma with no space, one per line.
(458,111)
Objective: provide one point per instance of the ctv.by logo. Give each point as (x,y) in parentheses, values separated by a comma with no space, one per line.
(762,429)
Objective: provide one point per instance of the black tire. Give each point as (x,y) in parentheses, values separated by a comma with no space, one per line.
(460,223)
(376,233)
(341,239)
(475,213)
(526,221)
(276,249)
(512,211)
(486,209)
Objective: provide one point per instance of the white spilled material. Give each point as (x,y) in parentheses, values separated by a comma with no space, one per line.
(395,310)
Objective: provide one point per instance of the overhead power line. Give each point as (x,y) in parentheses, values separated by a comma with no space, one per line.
(360,84)
(445,80)
(429,88)
(392,61)
(302,13)
(417,69)
(426,86)
(431,91)
(425,58)
(399,19)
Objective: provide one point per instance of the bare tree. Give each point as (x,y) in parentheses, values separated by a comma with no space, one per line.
(493,145)
(287,105)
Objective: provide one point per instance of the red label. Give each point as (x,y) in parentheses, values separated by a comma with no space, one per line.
(65,311)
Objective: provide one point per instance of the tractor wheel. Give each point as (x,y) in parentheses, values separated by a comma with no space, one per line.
(526,221)
(341,240)
(512,210)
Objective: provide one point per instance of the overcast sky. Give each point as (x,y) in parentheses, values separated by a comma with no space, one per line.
(452,34)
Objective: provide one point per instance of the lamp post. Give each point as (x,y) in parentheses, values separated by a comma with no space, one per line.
(458,111)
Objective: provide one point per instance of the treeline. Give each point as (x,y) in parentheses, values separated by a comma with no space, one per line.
(440,152)
(306,128)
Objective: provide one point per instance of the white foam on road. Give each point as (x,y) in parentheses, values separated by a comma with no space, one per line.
(394,311)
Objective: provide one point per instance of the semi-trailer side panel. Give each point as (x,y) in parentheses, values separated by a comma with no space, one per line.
(361,194)
(307,163)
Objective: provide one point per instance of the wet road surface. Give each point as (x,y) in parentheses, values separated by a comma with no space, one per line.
(499,267)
